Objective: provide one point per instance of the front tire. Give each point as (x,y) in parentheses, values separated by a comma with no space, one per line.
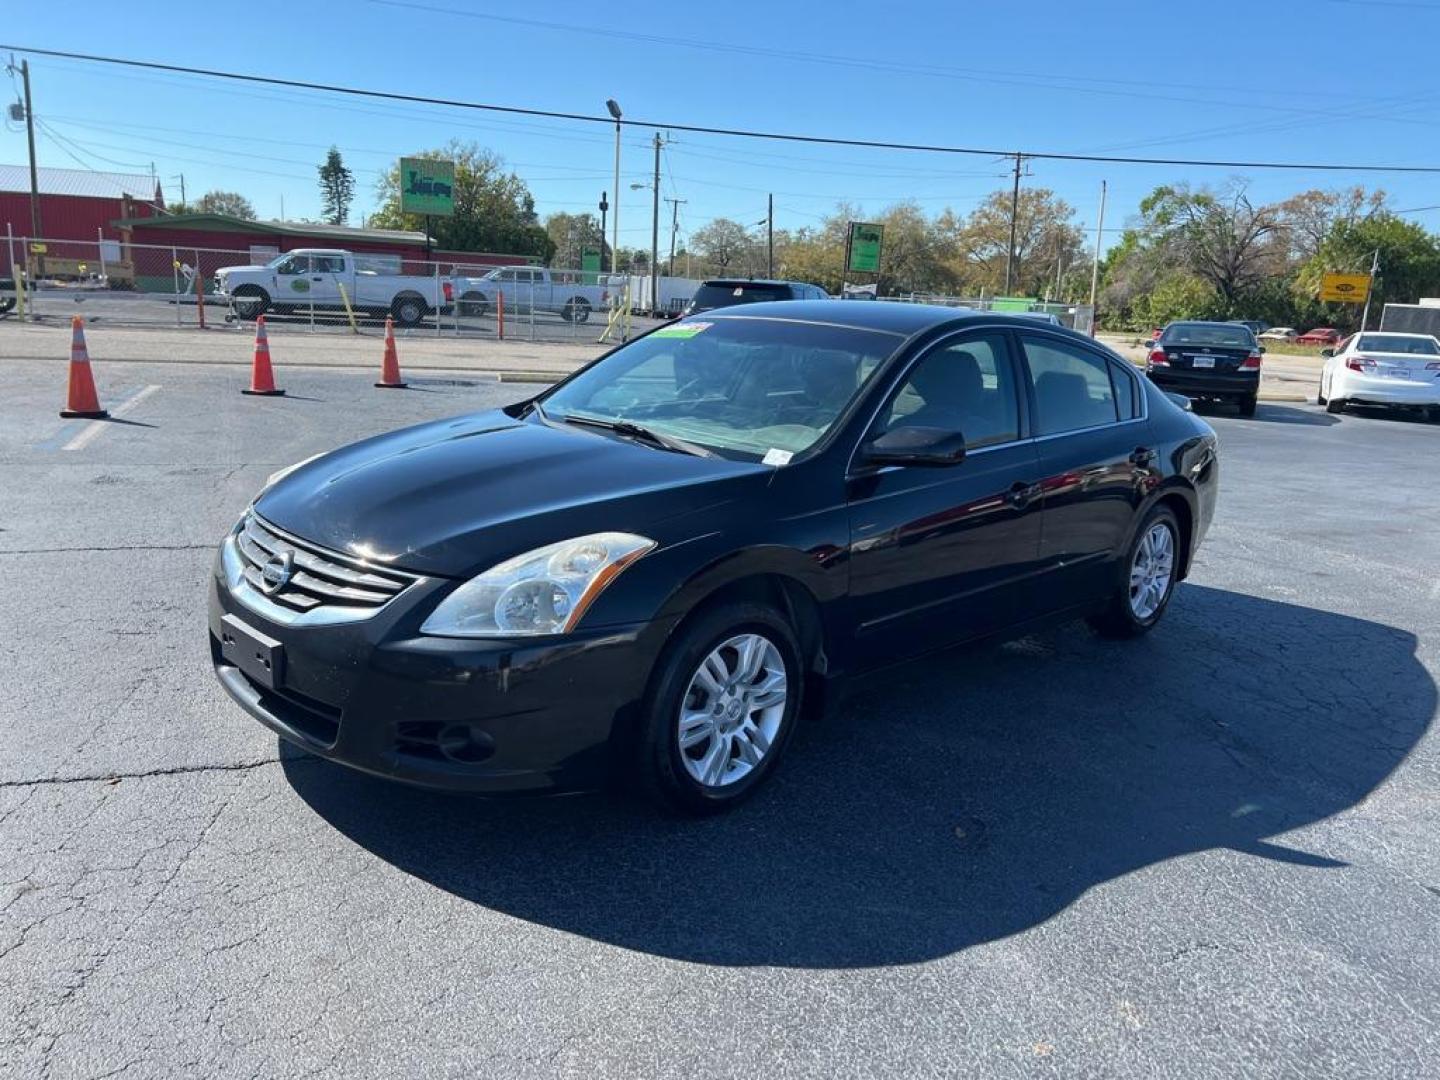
(1147,579)
(250,302)
(1335,405)
(723,704)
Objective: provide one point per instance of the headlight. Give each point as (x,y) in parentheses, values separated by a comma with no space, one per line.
(545,591)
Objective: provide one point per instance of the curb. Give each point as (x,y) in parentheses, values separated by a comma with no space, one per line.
(1299,399)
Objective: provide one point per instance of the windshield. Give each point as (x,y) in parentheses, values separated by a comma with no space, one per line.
(1398,343)
(743,387)
(1231,336)
(740,292)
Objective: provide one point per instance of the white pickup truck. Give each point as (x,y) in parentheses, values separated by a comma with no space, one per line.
(307,278)
(531,288)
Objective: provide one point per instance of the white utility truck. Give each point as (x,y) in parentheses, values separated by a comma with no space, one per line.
(314,278)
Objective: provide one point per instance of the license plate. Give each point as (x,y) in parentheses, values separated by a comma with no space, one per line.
(1202,361)
(261,658)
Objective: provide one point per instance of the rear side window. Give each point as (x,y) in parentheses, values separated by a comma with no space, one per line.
(739,292)
(1126,398)
(967,386)
(1072,386)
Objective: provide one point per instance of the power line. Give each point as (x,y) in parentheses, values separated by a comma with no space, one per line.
(331,88)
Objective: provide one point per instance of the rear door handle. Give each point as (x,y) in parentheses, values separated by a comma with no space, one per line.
(1142,456)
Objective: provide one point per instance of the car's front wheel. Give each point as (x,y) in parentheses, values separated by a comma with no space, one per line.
(722,708)
(1148,577)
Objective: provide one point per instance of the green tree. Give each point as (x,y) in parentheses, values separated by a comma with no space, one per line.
(572,234)
(337,188)
(494,210)
(725,246)
(1409,262)
(1219,236)
(1047,241)
(230,203)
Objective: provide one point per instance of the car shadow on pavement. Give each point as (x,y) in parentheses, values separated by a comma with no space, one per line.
(1288,414)
(950,802)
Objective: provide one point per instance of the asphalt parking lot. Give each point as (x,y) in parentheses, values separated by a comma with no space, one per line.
(1210,853)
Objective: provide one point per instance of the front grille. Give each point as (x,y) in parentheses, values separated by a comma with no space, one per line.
(318,577)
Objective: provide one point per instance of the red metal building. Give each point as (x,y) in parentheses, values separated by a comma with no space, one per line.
(75,205)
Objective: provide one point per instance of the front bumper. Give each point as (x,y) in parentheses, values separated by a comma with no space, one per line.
(1214,385)
(497,716)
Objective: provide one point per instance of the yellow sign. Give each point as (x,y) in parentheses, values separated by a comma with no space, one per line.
(38,249)
(1345,288)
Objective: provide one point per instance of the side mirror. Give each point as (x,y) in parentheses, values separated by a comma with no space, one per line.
(1327,352)
(926,446)
(1260,348)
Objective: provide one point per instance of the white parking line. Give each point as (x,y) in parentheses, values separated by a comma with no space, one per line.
(91,431)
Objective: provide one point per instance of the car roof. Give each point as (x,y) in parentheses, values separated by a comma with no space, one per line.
(749,281)
(892,318)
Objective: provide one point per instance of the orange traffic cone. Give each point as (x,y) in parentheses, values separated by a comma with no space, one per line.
(390,366)
(262,378)
(81,403)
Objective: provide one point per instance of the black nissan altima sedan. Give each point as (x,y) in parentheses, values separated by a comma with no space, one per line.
(648,570)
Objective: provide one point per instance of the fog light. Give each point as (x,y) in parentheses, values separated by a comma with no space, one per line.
(465,743)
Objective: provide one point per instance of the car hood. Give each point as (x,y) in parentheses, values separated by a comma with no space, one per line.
(453,497)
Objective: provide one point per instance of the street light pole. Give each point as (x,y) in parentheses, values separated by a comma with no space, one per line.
(1099,237)
(655,234)
(614,108)
(1374,268)
(1014,220)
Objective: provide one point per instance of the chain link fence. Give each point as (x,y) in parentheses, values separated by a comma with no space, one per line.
(149,285)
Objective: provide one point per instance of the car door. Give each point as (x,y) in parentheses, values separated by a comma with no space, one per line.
(292,281)
(325,274)
(1097,462)
(941,554)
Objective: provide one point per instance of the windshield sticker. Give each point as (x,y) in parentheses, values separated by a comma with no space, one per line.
(777,457)
(682,330)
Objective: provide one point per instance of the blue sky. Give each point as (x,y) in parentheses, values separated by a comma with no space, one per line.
(1305,80)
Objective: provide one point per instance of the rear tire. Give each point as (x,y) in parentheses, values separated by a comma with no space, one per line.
(408,310)
(577,310)
(1134,609)
(1335,405)
(474,304)
(723,730)
(1247,406)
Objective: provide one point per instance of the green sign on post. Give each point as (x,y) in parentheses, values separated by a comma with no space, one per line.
(427,187)
(864,248)
(590,265)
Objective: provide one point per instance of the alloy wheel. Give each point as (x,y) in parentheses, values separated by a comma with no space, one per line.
(732,710)
(1151,570)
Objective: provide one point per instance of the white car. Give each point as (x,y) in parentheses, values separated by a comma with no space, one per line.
(1398,370)
(1279,333)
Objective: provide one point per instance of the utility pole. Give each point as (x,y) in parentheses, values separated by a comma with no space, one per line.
(1374,269)
(674,226)
(770,237)
(181,178)
(1014,221)
(35,233)
(1099,235)
(655,233)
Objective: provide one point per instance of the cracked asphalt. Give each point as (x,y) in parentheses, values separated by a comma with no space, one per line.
(1209,853)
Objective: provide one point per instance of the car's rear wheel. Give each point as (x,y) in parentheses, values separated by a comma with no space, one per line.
(474,303)
(1335,405)
(408,310)
(576,310)
(1148,576)
(722,707)
(1247,406)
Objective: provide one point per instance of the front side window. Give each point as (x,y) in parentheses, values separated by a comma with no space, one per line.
(741,386)
(1072,386)
(295,264)
(968,386)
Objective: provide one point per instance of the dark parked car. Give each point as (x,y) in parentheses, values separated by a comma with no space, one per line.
(725,292)
(1255,326)
(650,569)
(1209,361)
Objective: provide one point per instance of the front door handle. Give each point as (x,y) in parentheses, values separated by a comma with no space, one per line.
(1142,457)
(1021,493)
